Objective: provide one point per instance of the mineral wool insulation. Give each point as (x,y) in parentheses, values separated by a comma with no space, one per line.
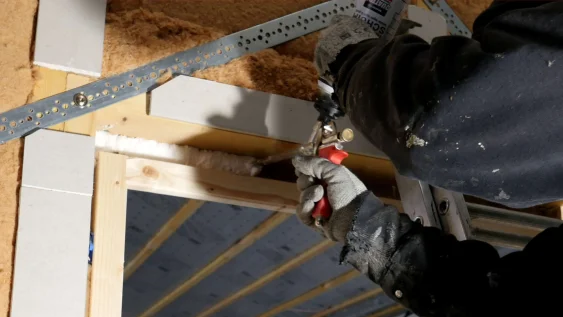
(138,36)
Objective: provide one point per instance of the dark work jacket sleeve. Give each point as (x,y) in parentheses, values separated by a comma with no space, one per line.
(478,116)
(433,274)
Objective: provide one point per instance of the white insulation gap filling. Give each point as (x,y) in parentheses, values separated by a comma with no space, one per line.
(142,148)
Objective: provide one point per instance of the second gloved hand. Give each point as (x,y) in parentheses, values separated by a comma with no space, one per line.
(344,190)
(346,31)
(343,31)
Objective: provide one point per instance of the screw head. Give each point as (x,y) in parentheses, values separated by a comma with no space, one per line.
(444,206)
(327,129)
(419,220)
(80,100)
(398,293)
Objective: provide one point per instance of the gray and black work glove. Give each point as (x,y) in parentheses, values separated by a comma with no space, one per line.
(343,31)
(344,190)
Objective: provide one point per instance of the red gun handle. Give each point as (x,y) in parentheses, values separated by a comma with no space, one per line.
(322,208)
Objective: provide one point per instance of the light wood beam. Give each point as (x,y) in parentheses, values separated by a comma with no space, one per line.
(129,118)
(48,82)
(420,4)
(210,185)
(274,274)
(217,186)
(82,124)
(350,302)
(162,235)
(259,231)
(110,205)
(312,293)
(388,311)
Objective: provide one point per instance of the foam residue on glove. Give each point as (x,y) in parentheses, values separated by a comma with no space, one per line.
(137,147)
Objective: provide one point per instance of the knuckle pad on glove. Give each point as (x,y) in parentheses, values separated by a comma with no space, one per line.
(313,193)
(309,197)
(322,168)
(307,165)
(299,162)
(304,182)
(304,213)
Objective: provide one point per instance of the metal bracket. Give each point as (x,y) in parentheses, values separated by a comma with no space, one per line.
(447,210)
(452,210)
(435,207)
(417,201)
(455,25)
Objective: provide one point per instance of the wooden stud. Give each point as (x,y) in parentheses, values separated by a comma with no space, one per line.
(82,124)
(88,290)
(349,302)
(258,232)
(162,235)
(388,311)
(129,118)
(493,225)
(312,293)
(274,274)
(110,204)
(483,226)
(48,82)
(421,4)
(210,185)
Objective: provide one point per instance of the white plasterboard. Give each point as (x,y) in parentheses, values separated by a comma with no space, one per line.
(59,161)
(70,35)
(51,262)
(243,110)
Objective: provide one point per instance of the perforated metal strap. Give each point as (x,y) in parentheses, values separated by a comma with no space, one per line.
(455,25)
(102,93)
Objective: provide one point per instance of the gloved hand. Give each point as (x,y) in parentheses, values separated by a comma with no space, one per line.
(344,190)
(343,31)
